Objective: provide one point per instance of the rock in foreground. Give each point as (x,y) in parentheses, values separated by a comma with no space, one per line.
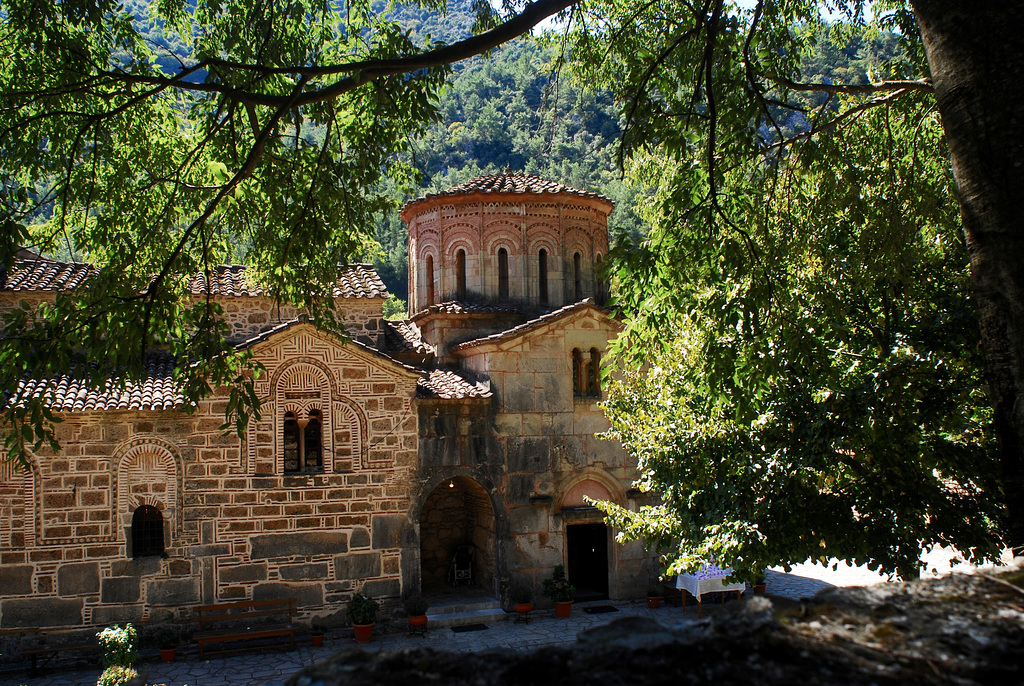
(956,630)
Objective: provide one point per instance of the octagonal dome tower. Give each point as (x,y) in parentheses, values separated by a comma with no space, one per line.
(508,238)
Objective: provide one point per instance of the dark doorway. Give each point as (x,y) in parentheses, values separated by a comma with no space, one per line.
(457,537)
(588,560)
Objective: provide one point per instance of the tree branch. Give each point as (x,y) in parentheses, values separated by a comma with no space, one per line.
(362,71)
(924,84)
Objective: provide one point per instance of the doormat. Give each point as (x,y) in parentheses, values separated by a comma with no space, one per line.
(469,627)
(600,609)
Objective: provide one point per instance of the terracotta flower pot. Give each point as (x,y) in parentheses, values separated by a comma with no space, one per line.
(417,620)
(168,654)
(522,608)
(318,640)
(759,589)
(653,602)
(363,632)
(562,609)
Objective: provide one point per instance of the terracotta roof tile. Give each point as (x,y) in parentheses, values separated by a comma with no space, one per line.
(526,326)
(45,275)
(158,391)
(444,384)
(354,280)
(226,279)
(512,183)
(404,337)
(455,307)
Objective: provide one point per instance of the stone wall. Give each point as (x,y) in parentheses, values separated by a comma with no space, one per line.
(249,316)
(545,439)
(236,526)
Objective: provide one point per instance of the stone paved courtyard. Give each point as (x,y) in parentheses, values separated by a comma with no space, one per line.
(273,668)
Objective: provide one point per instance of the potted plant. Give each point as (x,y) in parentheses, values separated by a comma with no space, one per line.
(416,607)
(760,586)
(167,642)
(362,612)
(653,595)
(521,596)
(558,588)
(317,630)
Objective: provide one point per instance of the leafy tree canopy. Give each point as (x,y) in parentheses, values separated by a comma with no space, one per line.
(811,377)
(818,388)
(265,142)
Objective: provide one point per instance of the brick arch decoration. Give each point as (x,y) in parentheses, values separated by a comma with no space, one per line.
(298,386)
(502,235)
(547,239)
(591,483)
(427,242)
(454,245)
(429,249)
(350,433)
(18,506)
(462,231)
(579,241)
(149,471)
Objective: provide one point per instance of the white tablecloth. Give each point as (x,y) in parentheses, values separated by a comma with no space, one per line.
(708,580)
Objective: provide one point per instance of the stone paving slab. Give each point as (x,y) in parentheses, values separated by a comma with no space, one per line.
(544,629)
(274,668)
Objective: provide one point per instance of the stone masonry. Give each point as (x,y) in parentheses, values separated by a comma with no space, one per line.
(377,454)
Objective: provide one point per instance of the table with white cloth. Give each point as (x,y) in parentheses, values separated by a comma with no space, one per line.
(710,579)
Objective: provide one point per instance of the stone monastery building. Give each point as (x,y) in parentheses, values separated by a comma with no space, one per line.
(470,425)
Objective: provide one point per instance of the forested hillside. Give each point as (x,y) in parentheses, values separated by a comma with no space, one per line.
(512,109)
(516,108)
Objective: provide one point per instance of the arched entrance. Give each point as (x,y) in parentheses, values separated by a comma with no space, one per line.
(457,517)
(586,540)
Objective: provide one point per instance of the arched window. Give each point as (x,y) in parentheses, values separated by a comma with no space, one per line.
(577,277)
(460,275)
(303,442)
(503,273)
(430,280)
(542,275)
(312,445)
(578,387)
(602,286)
(586,373)
(147,532)
(291,443)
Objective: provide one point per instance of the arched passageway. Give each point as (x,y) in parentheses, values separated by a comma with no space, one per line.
(457,513)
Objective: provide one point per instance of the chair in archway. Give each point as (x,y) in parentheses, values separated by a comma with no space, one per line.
(461,570)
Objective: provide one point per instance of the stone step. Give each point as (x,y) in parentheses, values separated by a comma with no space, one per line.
(463,605)
(491,615)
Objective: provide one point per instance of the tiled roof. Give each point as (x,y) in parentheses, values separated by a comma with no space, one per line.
(455,307)
(448,385)
(509,182)
(226,279)
(157,391)
(45,275)
(587,303)
(404,337)
(270,333)
(354,280)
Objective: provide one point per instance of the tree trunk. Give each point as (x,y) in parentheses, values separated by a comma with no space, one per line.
(976,55)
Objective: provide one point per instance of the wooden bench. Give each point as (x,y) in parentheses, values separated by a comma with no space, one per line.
(47,653)
(245,620)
